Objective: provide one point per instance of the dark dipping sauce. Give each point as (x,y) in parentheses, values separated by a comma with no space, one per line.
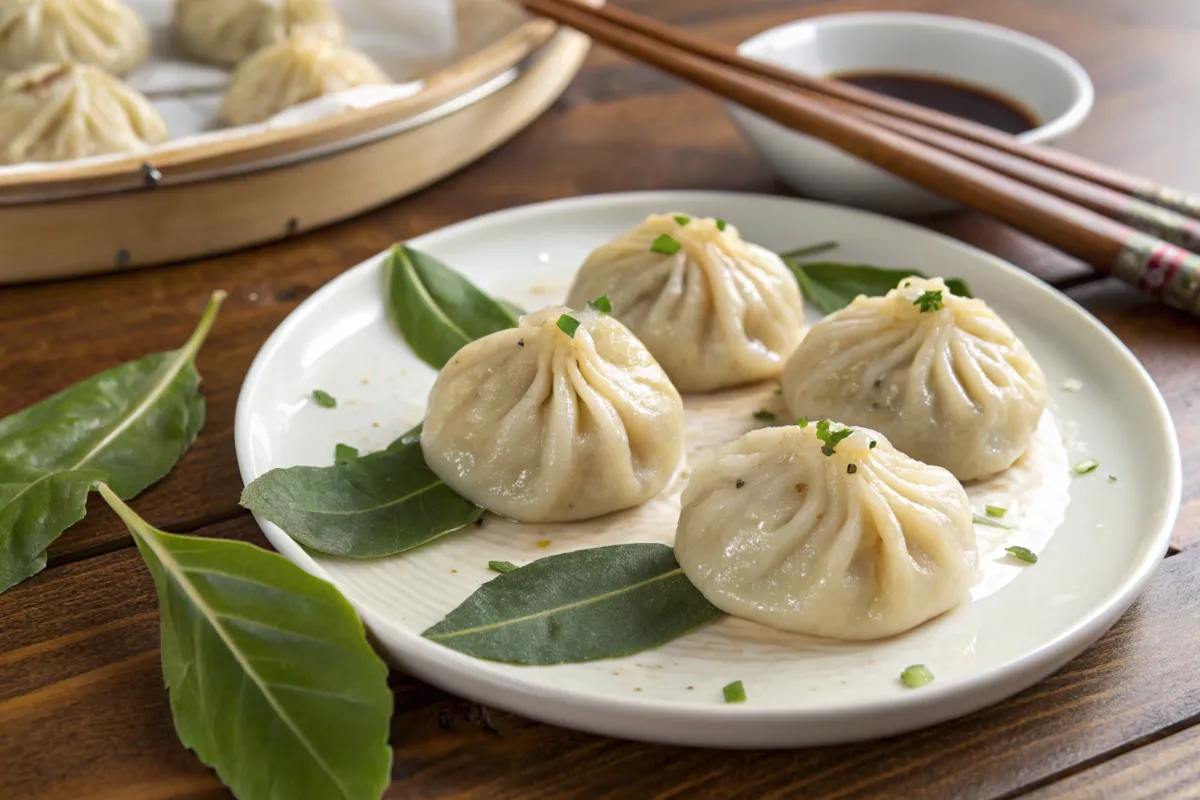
(949,96)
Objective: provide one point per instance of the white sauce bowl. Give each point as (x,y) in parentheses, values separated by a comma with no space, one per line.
(1038,76)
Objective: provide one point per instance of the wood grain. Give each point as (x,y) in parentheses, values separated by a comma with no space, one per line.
(78,652)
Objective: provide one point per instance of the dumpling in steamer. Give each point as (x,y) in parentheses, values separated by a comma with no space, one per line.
(860,544)
(300,68)
(942,376)
(715,310)
(55,112)
(103,33)
(227,31)
(539,425)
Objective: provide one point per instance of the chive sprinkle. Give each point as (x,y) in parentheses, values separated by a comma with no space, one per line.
(980,519)
(601,304)
(871,446)
(682,219)
(802,422)
(1084,467)
(568,325)
(344,454)
(995,511)
(763,415)
(734,692)
(720,224)
(666,245)
(831,437)
(1112,478)
(929,301)
(916,676)
(501,566)
(324,399)
(1023,553)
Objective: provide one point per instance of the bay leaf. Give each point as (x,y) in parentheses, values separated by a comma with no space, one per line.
(374,505)
(604,602)
(127,426)
(271,680)
(831,285)
(437,310)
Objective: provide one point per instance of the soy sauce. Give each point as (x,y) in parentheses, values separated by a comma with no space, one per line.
(952,97)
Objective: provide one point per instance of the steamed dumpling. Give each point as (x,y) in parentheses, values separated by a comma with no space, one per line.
(860,544)
(715,310)
(302,67)
(227,31)
(942,376)
(541,426)
(55,112)
(103,33)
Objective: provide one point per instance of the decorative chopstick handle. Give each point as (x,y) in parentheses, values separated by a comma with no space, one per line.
(1167,197)
(1171,226)
(1161,269)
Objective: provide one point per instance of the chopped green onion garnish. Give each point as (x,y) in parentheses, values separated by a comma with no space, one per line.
(344,454)
(324,399)
(802,422)
(1112,478)
(980,519)
(831,437)
(501,566)
(764,416)
(929,301)
(568,324)
(720,224)
(1023,553)
(871,446)
(682,219)
(735,692)
(916,676)
(601,304)
(778,392)
(995,511)
(1084,467)
(666,245)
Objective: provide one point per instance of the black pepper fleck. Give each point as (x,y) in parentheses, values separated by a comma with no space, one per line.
(121,258)
(851,469)
(479,522)
(740,483)
(150,176)
(520,342)
(878,383)
(293,225)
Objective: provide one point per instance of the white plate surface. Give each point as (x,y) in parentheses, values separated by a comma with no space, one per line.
(1098,541)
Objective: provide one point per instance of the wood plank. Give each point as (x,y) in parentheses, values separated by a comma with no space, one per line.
(1162,769)
(78,653)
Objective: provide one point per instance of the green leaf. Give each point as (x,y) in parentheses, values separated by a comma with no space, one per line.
(374,505)
(810,250)
(126,426)
(585,605)
(437,310)
(830,285)
(271,679)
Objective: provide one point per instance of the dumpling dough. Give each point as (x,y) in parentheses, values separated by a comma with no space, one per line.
(540,426)
(103,33)
(300,68)
(775,531)
(717,313)
(226,31)
(55,112)
(951,386)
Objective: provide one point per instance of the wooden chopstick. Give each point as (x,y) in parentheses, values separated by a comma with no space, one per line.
(1112,247)
(1113,179)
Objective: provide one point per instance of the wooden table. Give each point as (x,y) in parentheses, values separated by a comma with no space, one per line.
(83,711)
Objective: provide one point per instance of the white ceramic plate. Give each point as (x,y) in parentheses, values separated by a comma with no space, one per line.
(1024,623)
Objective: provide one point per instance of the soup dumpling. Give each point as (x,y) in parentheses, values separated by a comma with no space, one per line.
(56,112)
(103,33)
(854,541)
(714,309)
(539,424)
(302,67)
(227,31)
(941,375)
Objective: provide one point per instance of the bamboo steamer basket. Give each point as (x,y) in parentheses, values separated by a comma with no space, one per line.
(226,195)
